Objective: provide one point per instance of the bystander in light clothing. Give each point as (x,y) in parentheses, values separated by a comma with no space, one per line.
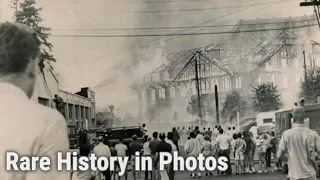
(300,143)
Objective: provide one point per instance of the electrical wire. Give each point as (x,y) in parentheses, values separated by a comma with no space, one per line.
(202,9)
(177,34)
(182,27)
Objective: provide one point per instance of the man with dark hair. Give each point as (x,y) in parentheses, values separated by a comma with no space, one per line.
(34,130)
(153,147)
(163,146)
(134,147)
(223,143)
(174,148)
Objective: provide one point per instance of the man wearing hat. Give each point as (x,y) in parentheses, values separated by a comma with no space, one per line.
(102,150)
(300,143)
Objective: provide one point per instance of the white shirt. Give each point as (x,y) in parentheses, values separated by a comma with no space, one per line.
(296,142)
(30,129)
(173,146)
(102,150)
(254,130)
(146,149)
(121,150)
(223,140)
(193,147)
(200,138)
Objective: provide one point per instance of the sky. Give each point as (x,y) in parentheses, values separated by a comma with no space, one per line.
(91,60)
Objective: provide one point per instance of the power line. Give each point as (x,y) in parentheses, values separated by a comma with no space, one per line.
(177,34)
(201,9)
(182,27)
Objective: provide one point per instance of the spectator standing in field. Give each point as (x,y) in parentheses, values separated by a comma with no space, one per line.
(147,153)
(273,145)
(207,150)
(122,152)
(200,138)
(114,153)
(153,147)
(209,132)
(174,148)
(193,149)
(163,146)
(261,149)
(134,147)
(223,143)
(300,143)
(268,151)
(34,130)
(239,156)
(233,144)
(175,137)
(184,135)
(102,150)
(248,160)
(188,132)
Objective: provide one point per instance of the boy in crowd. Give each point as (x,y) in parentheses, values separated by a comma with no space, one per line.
(239,156)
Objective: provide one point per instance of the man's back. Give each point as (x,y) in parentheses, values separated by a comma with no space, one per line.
(121,150)
(135,147)
(102,150)
(224,141)
(153,146)
(30,129)
(300,142)
(193,147)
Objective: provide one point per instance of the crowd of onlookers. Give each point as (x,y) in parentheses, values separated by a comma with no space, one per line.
(241,147)
(236,146)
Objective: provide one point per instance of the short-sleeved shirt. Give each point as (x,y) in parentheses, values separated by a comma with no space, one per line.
(164,147)
(134,147)
(224,141)
(297,142)
(121,150)
(153,146)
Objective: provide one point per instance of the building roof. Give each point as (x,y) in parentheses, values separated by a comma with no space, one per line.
(241,52)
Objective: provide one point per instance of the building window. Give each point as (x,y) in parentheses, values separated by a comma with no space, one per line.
(70,109)
(269,120)
(77,111)
(81,112)
(77,125)
(87,112)
(43,101)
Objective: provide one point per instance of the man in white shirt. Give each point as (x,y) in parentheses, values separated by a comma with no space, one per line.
(300,143)
(174,149)
(102,150)
(200,138)
(122,152)
(28,128)
(193,149)
(254,130)
(147,152)
(223,143)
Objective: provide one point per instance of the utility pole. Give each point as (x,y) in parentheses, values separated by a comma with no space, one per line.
(304,66)
(198,87)
(217,104)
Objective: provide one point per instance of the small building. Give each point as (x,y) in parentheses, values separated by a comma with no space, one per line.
(80,108)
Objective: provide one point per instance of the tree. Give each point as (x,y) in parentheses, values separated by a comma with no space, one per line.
(193,107)
(266,98)
(234,103)
(310,89)
(28,14)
